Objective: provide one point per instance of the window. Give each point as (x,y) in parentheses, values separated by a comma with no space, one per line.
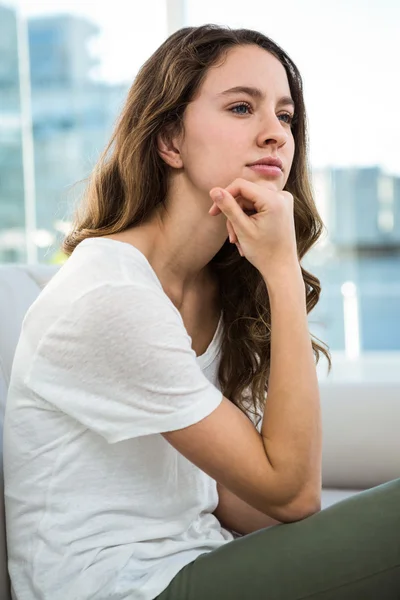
(82,61)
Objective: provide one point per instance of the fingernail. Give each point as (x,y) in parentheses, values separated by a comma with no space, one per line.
(217,195)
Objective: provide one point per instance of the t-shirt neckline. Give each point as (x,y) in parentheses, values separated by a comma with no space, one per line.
(209,355)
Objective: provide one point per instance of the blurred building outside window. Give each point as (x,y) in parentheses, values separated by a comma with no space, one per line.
(70,113)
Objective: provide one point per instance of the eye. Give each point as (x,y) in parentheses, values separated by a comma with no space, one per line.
(241,105)
(289,118)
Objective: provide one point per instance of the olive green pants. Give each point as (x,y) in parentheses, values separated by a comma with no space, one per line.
(349,551)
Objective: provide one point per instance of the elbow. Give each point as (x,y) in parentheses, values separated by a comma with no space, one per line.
(301,512)
(300,509)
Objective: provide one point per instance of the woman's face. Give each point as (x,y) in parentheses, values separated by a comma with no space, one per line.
(225,131)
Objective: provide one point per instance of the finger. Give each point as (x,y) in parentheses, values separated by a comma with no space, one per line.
(246,205)
(214,210)
(231,232)
(252,195)
(231,209)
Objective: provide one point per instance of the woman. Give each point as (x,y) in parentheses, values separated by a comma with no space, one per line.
(131,451)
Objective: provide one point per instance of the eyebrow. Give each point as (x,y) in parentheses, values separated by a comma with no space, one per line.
(257,94)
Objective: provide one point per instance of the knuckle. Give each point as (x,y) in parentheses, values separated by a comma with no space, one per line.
(239,182)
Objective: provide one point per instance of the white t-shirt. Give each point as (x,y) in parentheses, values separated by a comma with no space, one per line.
(98,504)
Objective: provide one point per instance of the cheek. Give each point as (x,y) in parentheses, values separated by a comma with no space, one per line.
(212,135)
(212,155)
(209,170)
(290,157)
(289,150)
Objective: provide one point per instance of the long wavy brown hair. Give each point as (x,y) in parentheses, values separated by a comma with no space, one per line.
(131,178)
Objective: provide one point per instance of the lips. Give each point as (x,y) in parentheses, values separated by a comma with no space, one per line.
(267,170)
(268,161)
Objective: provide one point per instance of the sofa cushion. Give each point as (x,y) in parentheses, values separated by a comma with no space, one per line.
(19,287)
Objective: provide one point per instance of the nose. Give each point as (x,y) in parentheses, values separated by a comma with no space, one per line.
(272,132)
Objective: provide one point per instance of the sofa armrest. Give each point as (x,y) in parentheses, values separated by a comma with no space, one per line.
(361,441)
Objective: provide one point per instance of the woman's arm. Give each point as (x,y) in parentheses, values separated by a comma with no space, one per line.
(279,471)
(291,427)
(238,516)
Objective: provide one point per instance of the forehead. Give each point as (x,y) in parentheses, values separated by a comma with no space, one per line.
(250,66)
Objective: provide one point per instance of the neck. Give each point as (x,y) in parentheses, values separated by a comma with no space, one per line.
(179,241)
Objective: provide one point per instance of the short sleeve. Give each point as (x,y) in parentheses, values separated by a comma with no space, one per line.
(120,362)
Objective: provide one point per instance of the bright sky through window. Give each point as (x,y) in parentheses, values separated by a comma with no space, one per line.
(347,52)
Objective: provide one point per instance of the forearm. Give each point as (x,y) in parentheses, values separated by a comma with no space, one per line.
(238,516)
(291,427)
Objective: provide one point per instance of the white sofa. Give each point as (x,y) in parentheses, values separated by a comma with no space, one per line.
(361,416)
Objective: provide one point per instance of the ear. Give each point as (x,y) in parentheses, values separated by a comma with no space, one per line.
(168,150)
